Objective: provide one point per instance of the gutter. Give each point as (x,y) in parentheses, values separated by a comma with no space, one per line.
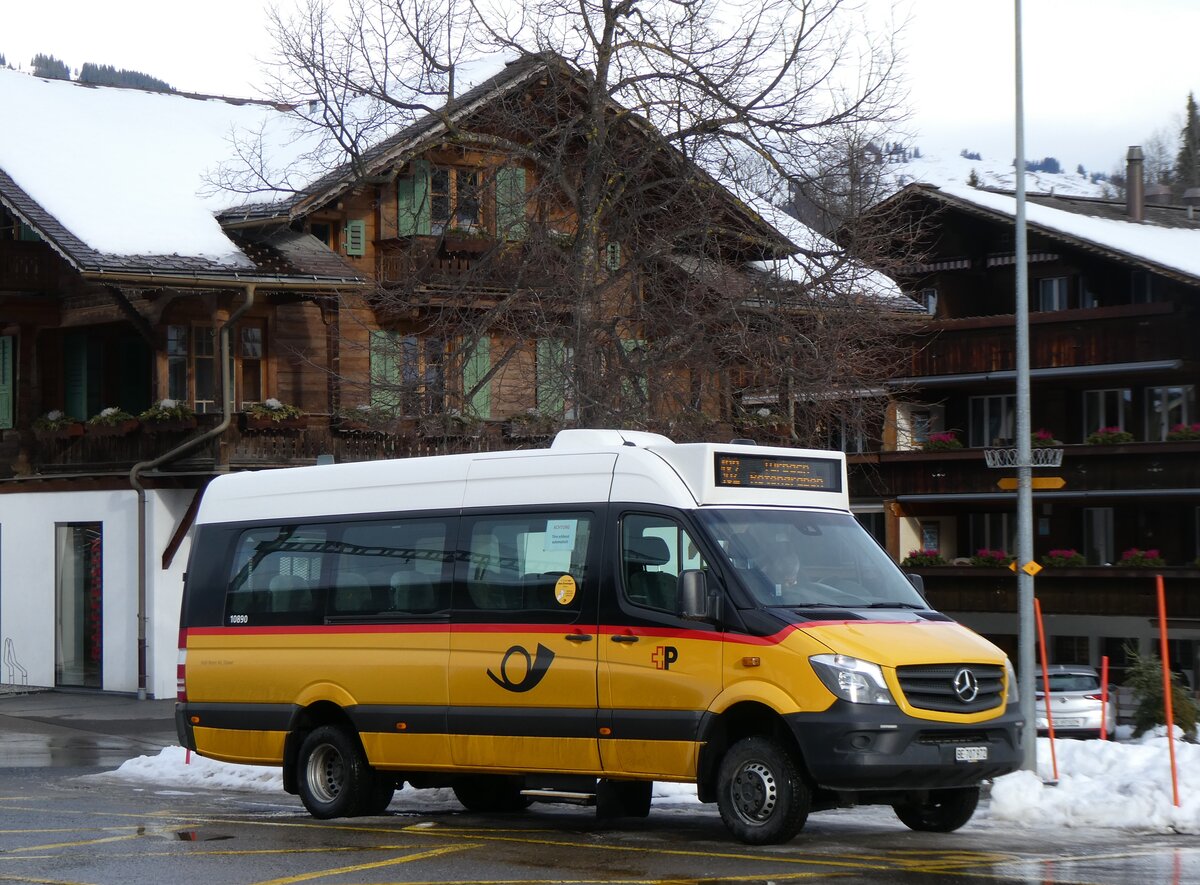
(186,445)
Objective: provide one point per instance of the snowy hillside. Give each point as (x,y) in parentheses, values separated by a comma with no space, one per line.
(997,172)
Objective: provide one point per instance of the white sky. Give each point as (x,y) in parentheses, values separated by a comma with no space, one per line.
(1100,75)
(1091,775)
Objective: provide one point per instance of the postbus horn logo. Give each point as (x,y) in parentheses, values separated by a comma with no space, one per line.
(535,668)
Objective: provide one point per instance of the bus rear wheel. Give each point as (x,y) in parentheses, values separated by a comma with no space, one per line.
(761,794)
(335,778)
(937,811)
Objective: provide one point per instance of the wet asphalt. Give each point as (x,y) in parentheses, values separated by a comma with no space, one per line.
(42,728)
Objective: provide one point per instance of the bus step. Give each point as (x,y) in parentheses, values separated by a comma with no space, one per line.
(560,796)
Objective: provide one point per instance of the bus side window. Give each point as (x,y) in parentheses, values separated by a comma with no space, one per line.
(273,576)
(654,550)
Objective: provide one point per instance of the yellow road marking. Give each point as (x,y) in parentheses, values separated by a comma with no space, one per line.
(357,868)
(79,844)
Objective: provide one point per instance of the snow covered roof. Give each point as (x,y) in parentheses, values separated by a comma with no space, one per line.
(116,179)
(1166,241)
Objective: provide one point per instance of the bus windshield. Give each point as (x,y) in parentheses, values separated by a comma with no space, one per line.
(804,558)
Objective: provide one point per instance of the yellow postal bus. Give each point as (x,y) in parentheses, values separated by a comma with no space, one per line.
(574,623)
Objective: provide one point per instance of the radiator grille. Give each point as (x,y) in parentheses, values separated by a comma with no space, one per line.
(933,687)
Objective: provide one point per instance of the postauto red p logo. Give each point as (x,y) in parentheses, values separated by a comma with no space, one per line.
(664,656)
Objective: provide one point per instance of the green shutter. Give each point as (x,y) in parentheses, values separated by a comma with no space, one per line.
(75,367)
(412,201)
(551,364)
(634,389)
(511,200)
(356,237)
(385,370)
(8,386)
(476,365)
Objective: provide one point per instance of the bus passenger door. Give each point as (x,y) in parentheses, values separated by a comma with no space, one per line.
(523,642)
(658,672)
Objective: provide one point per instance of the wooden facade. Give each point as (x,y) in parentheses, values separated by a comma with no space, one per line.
(1114,342)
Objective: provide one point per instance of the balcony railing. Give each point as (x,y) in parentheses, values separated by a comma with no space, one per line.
(1098,336)
(26,267)
(283,446)
(1098,590)
(1140,466)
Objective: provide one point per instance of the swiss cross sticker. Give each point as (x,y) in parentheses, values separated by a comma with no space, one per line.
(664,656)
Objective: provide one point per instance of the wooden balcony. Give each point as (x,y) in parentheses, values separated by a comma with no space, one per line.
(478,266)
(1099,590)
(240,449)
(1133,466)
(26,267)
(1129,333)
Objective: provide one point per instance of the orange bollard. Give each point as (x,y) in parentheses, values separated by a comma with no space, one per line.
(1037,610)
(1168,701)
(1104,698)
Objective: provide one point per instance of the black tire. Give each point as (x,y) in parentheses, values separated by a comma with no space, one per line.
(761,794)
(623,799)
(334,779)
(491,793)
(938,811)
(379,797)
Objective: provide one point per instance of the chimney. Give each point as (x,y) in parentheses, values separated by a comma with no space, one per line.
(1135,187)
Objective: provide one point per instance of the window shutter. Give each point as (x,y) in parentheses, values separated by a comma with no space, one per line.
(551,364)
(8,389)
(356,237)
(475,367)
(412,201)
(511,200)
(385,369)
(75,366)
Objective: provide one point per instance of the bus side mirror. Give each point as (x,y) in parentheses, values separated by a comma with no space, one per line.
(918,582)
(694,602)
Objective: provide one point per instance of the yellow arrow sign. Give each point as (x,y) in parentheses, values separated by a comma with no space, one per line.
(1009,483)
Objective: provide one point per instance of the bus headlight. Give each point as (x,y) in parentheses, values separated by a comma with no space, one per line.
(859,682)
(1014,692)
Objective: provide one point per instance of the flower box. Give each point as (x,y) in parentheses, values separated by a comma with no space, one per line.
(282,425)
(119,428)
(470,244)
(63,431)
(178,425)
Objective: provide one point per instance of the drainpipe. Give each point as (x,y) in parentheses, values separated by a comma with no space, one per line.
(223,349)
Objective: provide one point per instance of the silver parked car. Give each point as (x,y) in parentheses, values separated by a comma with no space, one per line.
(1075,702)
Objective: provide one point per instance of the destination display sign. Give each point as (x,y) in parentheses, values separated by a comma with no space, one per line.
(778,472)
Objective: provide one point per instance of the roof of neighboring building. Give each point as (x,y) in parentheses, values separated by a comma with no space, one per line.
(1166,241)
(116,180)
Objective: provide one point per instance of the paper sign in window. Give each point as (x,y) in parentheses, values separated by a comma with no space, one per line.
(560,534)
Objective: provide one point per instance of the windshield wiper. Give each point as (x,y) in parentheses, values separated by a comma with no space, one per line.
(911,605)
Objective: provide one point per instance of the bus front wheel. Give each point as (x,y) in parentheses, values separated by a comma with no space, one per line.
(761,794)
(335,777)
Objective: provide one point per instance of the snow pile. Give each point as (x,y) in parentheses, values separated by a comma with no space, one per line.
(1104,784)
(1124,785)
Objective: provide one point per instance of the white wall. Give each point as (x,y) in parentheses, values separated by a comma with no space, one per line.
(27,574)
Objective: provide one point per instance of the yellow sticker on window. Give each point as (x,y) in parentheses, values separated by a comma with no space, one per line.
(564,590)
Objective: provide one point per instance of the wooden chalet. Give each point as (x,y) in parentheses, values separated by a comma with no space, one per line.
(1114,344)
(131,288)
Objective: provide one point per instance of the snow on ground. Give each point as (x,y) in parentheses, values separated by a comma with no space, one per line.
(1124,785)
(944,169)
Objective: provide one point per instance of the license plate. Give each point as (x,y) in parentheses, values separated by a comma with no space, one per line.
(970,754)
(1068,723)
